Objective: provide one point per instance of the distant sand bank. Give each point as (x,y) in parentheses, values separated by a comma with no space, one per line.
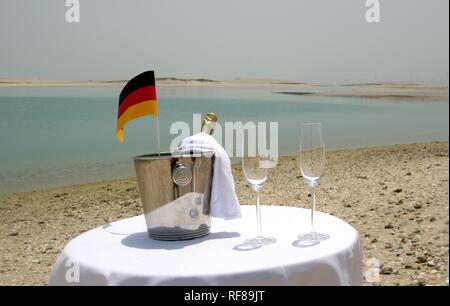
(160,82)
(395,91)
(420,96)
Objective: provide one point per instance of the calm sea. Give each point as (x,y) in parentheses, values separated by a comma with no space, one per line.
(62,136)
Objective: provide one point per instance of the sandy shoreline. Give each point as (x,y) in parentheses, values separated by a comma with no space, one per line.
(395,196)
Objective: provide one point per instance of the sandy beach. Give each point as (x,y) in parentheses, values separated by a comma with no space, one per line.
(395,196)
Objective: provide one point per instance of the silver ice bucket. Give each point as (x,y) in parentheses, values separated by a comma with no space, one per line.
(175,193)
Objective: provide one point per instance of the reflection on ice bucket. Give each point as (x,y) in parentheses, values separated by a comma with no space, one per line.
(175,193)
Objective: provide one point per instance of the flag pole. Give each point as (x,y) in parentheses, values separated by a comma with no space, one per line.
(157,135)
(158,141)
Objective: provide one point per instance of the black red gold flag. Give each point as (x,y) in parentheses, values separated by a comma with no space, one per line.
(137,99)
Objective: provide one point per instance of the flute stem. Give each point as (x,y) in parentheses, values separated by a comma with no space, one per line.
(258,215)
(313,211)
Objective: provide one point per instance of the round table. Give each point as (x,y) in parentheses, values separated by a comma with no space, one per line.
(121,253)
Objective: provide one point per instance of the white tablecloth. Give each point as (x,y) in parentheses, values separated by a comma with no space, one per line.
(121,253)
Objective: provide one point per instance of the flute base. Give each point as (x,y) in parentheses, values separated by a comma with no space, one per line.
(260,241)
(313,237)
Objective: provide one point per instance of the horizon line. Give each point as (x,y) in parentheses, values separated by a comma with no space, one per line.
(30,80)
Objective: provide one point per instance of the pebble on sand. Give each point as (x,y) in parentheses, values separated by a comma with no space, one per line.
(386,271)
(421,259)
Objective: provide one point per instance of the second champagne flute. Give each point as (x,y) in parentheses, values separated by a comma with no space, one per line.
(312,163)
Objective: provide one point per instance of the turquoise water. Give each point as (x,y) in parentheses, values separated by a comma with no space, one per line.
(61,136)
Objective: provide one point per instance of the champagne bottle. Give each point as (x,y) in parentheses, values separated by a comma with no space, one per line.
(209,123)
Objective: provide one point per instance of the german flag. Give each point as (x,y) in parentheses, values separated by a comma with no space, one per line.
(137,99)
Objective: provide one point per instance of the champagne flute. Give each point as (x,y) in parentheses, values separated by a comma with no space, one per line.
(256,161)
(312,163)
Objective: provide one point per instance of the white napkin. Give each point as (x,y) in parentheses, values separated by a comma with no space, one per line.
(224,202)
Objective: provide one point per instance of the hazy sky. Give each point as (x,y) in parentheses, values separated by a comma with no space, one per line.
(304,40)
